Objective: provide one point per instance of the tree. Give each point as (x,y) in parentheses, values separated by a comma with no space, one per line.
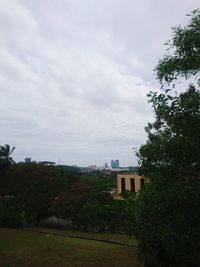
(184,59)
(103,213)
(31,189)
(70,203)
(5,158)
(173,139)
(37,189)
(167,216)
(5,162)
(166,211)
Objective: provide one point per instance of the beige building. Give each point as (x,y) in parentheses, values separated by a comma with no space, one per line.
(129,182)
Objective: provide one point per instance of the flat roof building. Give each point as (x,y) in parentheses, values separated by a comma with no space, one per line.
(129,182)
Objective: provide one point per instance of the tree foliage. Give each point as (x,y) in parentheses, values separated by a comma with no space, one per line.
(168,229)
(29,191)
(183,57)
(5,158)
(166,211)
(70,203)
(34,191)
(173,139)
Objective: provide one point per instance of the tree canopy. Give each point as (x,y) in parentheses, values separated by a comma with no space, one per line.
(5,157)
(183,54)
(173,139)
(166,211)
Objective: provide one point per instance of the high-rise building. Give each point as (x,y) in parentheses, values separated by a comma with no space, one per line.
(115,163)
(112,163)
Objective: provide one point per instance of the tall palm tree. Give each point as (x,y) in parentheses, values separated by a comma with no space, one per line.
(5,161)
(5,157)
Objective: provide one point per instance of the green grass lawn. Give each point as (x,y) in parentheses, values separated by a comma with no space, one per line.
(19,248)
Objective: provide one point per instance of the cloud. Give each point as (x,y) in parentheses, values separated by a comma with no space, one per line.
(74,76)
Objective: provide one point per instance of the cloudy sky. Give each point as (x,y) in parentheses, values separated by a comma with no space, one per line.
(74,75)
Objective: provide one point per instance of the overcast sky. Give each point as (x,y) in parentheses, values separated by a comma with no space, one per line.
(74,75)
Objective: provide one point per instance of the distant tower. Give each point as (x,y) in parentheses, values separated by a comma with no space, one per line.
(112,163)
(116,163)
(106,165)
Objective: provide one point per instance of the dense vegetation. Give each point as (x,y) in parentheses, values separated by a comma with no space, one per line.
(32,191)
(167,212)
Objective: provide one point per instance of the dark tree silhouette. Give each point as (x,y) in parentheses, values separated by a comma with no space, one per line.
(5,157)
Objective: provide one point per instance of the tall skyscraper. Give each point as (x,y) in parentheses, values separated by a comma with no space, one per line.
(112,163)
(115,163)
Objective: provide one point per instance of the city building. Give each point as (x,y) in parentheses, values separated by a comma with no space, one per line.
(129,182)
(92,167)
(114,163)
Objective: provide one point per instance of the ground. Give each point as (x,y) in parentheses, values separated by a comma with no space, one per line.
(19,248)
(103,236)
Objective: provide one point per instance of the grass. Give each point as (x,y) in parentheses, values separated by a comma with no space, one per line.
(19,248)
(104,236)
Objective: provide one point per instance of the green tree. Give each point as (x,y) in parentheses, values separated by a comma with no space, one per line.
(5,162)
(101,212)
(71,201)
(173,139)
(5,158)
(32,190)
(167,224)
(183,57)
(166,211)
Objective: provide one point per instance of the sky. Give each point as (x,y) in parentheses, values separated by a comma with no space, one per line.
(74,75)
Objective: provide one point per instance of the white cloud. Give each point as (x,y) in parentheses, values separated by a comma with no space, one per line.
(74,75)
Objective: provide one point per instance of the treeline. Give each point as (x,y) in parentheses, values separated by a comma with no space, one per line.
(31,192)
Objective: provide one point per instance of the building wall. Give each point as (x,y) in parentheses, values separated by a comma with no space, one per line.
(137,179)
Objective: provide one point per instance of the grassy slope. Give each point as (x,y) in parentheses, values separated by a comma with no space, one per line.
(19,248)
(104,236)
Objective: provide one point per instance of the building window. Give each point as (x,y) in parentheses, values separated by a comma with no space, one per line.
(123,184)
(141,182)
(133,185)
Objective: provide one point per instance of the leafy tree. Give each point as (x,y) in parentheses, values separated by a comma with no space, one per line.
(96,211)
(101,212)
(31,192)
(5,158)
(5,162)
(166,211)
(168,224)
(183,57)
(70,203)
(41,186)
(130,223)
(173,139)
(109,216)
(90,205)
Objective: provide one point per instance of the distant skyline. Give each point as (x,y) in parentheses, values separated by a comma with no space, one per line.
(74,76)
